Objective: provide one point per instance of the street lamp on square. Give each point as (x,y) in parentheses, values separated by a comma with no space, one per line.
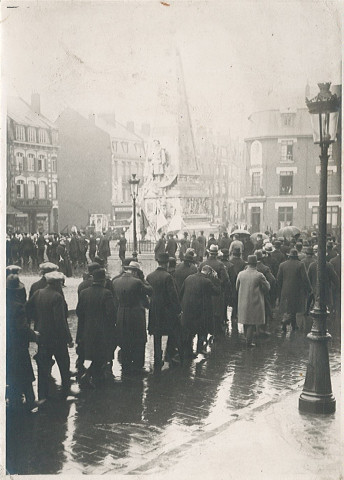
(134,191)
(317,396)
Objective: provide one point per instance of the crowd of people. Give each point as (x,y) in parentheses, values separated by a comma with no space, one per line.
(196,284)
(67,251)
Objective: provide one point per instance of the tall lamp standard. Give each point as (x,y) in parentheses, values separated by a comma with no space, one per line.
(317,396)
(134,191)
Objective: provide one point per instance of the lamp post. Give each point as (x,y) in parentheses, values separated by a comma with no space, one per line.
(134,191)
(317,396)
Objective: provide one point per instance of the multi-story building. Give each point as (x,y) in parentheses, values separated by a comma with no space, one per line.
(282,173)
(84,170)
(220,163)
(32,180)
(128,150)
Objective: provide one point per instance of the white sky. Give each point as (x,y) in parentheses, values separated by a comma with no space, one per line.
(238,57)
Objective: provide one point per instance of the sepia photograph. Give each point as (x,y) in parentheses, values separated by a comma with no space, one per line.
(171,198)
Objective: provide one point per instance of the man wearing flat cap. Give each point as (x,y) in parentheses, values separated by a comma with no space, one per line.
(47,308)
(131,292)
(164,310)
(252,287)
(218,302)
(96,328)
(293,286)
(14,270)
(44,268)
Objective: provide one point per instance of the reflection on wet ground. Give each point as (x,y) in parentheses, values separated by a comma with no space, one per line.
(117,428)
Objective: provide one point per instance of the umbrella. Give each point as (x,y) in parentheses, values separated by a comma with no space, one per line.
(240,232)
(255,235)
(288,232)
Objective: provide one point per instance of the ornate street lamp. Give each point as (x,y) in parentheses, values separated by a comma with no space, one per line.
(134,191)
(317,396)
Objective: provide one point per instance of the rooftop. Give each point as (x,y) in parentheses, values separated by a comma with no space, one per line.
(23,114)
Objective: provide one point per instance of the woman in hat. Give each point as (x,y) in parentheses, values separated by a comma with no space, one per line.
(19,372)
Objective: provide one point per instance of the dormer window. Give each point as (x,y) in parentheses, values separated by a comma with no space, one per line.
(20,133)
(287,119)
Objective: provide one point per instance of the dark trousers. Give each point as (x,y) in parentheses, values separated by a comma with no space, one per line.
(133,354)
(248,331)
(122,256)
(16,389)
(44,358)
(174,339)
(40,255)
(188,343)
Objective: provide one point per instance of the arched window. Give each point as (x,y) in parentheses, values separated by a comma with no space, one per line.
(54,190)
(256,153)
(41,163)
(31,162)
(20,188)
(31,189)
(42,190)
(19,161)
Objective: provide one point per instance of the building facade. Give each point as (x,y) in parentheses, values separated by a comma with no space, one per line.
(84,170)
(32,162)
(282,173)
(220,162)
(128,153)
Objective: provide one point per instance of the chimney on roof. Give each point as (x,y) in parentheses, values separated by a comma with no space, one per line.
(145,129)
(131,127)
(36,103)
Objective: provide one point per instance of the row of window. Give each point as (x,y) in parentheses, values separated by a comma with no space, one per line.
(286,152)
(41,163)
(123,147)
(285,216)
(286,180)
(34,190)
(35,135)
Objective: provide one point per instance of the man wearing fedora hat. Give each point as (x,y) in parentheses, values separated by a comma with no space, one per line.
(164,310)
(131,296)
(293,286)
(47,308)
(96,328)
(252,287)
(219,325)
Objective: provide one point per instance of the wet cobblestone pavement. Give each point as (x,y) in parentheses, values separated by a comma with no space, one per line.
(124,427)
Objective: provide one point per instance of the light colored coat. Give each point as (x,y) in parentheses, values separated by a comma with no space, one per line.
(251,286)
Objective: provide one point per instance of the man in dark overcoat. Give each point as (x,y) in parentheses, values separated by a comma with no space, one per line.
(92,247)
(122,243)
(131,295)
(171,246)
(27,250)
(196,298)
(104,248)
(218,302)
(41,247)
(337,265)
(309,258)
(47,308)
(96,331)
(293,286)
(164,310)
(332,282)
(160,246)
(277,254)
(184,269)
(184,245)
(19,372)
